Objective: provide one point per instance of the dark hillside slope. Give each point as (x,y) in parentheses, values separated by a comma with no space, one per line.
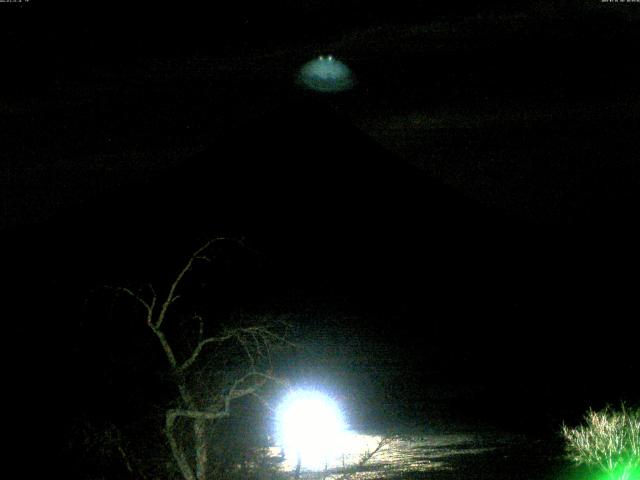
(300,178)
(329,212)
(326,205)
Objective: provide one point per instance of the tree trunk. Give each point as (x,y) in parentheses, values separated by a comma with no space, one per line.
(178,455)
(298,467)
(200,433)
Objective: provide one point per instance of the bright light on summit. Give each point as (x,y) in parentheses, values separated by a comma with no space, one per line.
(310,428)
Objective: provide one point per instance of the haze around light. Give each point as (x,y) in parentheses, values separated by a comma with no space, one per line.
(311,429)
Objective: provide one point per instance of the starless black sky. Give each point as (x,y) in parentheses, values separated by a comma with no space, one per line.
(471,202)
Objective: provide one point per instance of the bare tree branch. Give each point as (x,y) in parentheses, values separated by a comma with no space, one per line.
(171,297)
(149,307)
(165,346)
(257,343)
(196,351)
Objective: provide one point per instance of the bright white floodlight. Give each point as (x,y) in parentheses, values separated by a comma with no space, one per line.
(310,428)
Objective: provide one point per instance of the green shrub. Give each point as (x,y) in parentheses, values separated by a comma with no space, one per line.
(609,440)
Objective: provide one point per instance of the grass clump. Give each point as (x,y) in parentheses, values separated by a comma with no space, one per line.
(608,440)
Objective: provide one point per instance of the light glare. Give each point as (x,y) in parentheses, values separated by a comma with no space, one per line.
(311,428)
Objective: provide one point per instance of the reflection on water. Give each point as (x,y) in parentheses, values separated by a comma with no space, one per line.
(373,456)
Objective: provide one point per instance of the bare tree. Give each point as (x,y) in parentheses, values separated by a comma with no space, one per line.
(231,362)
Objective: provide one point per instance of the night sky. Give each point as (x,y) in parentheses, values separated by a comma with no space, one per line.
(455,237)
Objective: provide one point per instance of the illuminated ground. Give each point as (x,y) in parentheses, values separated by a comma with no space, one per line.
(446,456)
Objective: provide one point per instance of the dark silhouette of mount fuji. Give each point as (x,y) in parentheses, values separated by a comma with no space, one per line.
(300,177)
(322,201)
